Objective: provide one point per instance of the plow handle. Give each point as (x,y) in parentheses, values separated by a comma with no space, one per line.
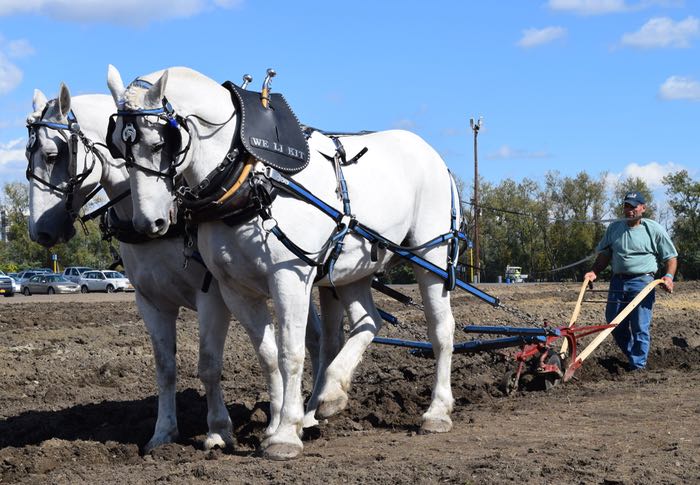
(577,309)
(621,316)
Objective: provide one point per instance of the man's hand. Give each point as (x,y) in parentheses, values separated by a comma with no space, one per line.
(591,276)
(668,283)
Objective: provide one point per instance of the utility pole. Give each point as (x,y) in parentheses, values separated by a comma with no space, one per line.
(476,125)
(3,225)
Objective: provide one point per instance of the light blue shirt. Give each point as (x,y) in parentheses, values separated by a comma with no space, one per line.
(636,250)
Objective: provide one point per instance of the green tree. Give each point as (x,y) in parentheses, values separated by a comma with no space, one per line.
(573,203)
(684,199)
(632,184)
(19,251)
(84,249)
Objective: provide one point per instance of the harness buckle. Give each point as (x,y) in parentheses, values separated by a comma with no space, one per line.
(183,191)
(231,156)
(269,224)
(273,174)
(345,221)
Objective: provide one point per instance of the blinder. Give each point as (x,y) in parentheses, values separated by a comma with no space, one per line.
(131,135)
(71,134)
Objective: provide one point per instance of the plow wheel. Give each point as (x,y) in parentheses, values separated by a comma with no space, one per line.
(509,382)
(548,380)
(551,379)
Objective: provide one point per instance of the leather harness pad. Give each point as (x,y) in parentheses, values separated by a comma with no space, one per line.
(272,135)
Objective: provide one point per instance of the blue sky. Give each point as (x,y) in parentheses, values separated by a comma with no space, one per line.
(567,85)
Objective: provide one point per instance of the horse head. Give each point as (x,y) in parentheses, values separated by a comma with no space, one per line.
(64,163)
(157,142)
(47,170)
(148,139)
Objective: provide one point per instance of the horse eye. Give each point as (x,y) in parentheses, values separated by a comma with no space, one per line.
(52,158)
(158,147)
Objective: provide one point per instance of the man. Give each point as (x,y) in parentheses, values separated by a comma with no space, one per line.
(634,246)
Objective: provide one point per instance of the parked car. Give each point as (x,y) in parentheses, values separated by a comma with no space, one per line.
(25,275)
(74,273)
(16,283)
(104,280)
(7,285)
(49,283)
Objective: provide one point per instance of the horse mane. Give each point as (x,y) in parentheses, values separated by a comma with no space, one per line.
(50,111)
(133,96)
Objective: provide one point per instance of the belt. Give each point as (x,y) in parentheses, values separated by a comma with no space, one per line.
(628,276)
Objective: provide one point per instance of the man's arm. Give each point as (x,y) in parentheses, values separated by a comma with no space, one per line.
(601,262)
(671,266)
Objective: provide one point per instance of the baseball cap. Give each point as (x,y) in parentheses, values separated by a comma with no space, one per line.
(634,199)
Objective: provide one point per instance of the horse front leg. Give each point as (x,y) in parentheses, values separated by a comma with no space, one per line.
(365,323)
(291,293)
(160,323)
(214,318)
(252,312)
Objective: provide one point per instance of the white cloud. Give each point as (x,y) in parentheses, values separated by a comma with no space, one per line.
(535,37)
(651,173)
(228,3)
(19,48)
(404,124)
(664,32)
(9,152)
(505,153)
(124,12)
(588,7)
(10,75)
(680,88)
(453,132)
(601,7)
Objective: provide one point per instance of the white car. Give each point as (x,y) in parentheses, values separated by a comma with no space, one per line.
(15,282)
(74,273)
(7,285)
(106,280)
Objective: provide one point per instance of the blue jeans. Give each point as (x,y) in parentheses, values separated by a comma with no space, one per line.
(632,335)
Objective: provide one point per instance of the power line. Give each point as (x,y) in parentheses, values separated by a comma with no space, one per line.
(583,221)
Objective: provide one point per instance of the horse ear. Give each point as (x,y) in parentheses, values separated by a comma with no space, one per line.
(64,100)
(115,84)
(156,93)
(39,101)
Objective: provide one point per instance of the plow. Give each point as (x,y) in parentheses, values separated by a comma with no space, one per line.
(551,355)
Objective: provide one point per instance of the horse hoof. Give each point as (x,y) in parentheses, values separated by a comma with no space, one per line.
(310,421)
(215,440)
(326,409)
(436,425)
(283,451)
(157,441)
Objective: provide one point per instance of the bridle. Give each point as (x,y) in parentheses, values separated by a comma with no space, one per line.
(72,134)
(172,137)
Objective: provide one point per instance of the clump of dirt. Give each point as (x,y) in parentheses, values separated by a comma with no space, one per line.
(78,402)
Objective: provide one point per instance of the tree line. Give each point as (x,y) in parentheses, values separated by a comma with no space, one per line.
(548,228)
(551,229)
(19,252)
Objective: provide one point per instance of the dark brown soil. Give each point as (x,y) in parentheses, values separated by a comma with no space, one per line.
(77,402)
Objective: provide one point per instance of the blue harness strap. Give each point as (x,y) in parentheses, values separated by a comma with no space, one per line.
(347,222)
(299,191)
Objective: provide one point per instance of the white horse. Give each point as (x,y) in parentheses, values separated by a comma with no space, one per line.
(155,267)
(400,188)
